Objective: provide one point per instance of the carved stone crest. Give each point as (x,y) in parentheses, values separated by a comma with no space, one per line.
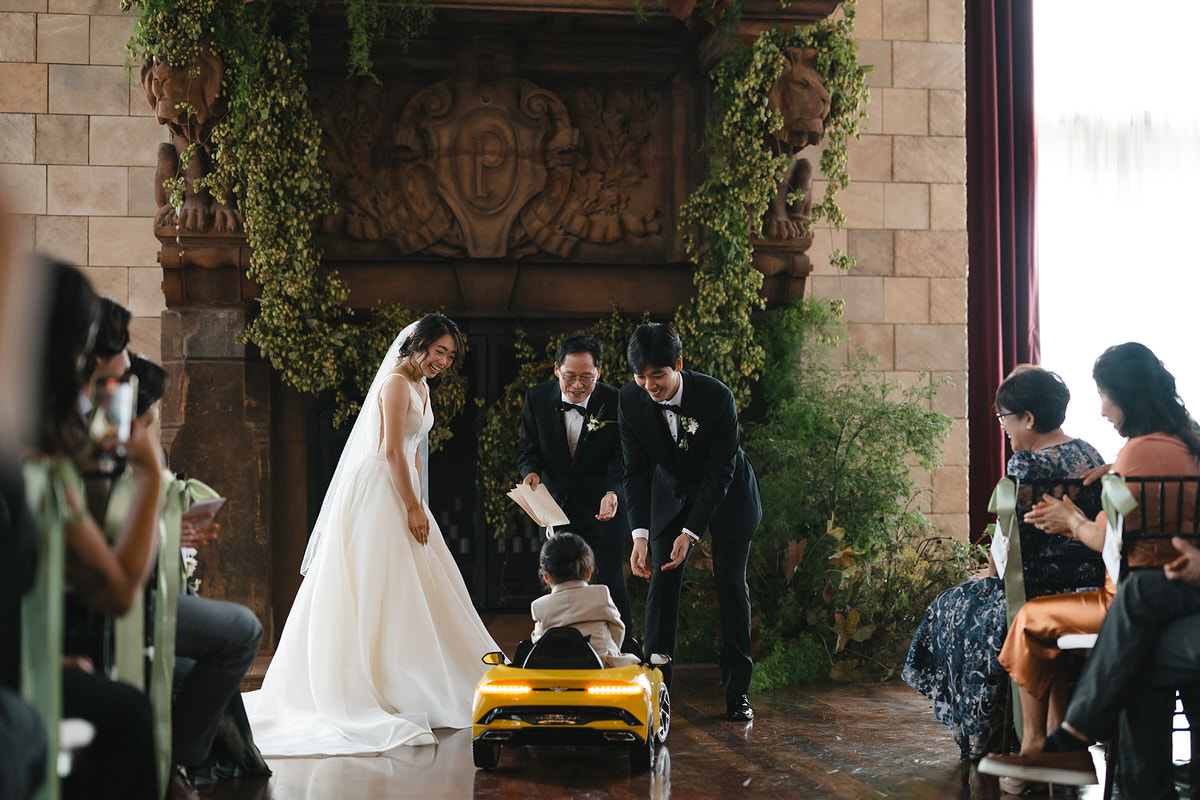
(486,164)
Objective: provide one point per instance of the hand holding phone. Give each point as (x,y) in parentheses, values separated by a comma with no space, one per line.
(114,404)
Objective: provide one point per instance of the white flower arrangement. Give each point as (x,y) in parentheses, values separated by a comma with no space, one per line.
(189,567)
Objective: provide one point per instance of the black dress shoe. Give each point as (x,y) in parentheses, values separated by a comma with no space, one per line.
(737,708)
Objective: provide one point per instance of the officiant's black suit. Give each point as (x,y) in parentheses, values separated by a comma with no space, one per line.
(578,484)
(708,485)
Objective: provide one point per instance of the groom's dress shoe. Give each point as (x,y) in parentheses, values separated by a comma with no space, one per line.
(737,708)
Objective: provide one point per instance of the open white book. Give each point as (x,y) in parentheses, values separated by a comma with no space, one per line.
(540,506)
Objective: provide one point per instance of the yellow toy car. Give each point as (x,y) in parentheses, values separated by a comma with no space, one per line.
(561,693)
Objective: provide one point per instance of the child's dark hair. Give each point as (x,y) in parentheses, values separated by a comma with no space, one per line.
(566,557)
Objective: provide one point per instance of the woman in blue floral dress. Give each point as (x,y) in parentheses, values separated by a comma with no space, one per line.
(953,657)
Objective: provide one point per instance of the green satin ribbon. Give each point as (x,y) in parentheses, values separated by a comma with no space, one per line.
(129,630)
(172,578)
(167,588)
(1004,505)
(42,610)
(1117,501)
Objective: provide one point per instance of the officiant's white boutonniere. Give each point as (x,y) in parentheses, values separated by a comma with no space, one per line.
(688,427)
(596,423)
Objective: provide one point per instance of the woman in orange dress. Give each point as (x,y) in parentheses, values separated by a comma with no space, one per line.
(1137,394)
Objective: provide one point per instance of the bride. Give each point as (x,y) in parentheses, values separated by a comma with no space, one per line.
(382,643)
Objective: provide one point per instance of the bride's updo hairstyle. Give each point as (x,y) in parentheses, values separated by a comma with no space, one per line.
(429,329)
(1133,378)
(566,557)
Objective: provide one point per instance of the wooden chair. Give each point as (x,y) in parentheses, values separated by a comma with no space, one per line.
(1143,514)
(1079,567)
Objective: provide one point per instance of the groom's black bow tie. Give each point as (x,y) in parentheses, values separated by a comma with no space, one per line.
(565,407)
(668,407)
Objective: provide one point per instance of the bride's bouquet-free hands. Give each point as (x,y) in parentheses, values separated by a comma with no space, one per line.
(418,523)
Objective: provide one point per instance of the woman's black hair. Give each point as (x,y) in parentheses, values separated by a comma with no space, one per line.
(113,334)
(152,382)
(566,557)
(69,333)
(1038,391)
(1133,378)
(431,328)
(655,345)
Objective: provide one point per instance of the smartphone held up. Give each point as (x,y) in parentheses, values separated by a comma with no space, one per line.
(114,404)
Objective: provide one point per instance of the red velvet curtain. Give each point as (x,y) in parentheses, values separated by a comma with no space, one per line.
(1002,319)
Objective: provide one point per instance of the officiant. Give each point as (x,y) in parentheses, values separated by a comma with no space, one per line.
(570,447)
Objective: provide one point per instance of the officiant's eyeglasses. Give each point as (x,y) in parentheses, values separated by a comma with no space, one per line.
(583,380)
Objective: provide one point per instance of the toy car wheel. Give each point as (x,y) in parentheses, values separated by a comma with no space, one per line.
(664,714)
(485,754)
(641,756)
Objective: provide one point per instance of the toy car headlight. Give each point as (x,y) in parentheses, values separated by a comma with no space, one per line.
(610,689)
(511,689)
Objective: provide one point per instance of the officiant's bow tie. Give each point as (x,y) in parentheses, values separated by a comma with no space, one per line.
(565,407)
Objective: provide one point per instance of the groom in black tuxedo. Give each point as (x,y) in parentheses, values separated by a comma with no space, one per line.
(570,445)
(685,474)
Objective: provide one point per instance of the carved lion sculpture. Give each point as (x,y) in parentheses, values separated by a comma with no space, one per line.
(801,97)
(172,90)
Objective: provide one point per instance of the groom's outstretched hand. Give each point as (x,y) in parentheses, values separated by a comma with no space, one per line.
(679,551)
(639,561)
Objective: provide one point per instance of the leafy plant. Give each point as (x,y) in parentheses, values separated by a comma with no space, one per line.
(840,555)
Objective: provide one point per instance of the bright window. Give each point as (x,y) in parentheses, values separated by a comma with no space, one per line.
(1118,132)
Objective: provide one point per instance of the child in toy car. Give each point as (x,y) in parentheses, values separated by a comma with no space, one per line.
(564,688)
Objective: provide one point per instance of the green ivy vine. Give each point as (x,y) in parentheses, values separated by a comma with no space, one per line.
(725,212)
(267,151)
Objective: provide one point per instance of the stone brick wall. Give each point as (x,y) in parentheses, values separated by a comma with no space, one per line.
(77,150)
(906,300)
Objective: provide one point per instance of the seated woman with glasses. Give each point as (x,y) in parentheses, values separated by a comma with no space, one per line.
(953,657)
(1137,394)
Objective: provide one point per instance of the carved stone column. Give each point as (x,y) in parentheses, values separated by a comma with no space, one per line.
(217,427)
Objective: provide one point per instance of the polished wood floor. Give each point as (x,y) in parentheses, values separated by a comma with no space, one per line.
(816,741)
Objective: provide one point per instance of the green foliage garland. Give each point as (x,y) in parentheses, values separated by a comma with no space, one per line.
(267,150)
(744,175)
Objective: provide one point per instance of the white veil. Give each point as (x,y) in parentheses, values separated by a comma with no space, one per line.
(362,444)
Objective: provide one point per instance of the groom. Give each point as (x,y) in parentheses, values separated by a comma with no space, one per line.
(685,474)
(570,446)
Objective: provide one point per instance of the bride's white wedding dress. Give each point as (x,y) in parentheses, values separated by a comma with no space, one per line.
(382,643)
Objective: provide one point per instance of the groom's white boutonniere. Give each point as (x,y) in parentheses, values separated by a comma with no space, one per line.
(688,427)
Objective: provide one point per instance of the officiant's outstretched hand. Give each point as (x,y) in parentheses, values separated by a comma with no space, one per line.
(686,474)
(570,446)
